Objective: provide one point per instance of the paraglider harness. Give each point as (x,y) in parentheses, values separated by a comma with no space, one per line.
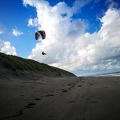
(43,53)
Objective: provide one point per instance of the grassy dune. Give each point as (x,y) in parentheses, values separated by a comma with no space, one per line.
(15,63)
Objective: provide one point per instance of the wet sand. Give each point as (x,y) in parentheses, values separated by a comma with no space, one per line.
(71,98)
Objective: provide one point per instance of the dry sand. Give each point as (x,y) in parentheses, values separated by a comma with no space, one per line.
(74,98)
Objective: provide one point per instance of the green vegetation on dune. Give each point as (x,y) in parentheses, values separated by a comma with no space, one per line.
(15,63)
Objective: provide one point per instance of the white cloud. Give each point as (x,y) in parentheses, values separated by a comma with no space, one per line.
(78,4)
(5,47)
(68,46)
(16,32)
(33,22)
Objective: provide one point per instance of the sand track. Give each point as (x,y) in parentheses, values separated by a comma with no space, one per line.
(74,98)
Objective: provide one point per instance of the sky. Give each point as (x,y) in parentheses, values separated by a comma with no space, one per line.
(82,36)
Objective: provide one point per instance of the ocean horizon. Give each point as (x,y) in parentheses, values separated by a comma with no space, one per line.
(109,74)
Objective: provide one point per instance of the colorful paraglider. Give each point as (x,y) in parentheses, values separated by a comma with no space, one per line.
(40,33)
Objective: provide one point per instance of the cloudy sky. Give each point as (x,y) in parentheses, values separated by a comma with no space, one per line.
(82,36)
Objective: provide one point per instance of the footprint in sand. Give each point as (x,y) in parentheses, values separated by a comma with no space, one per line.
(64,90)
(48,95)
(79,85)
(88,99)
(38,99)
(83,81)
(91,84)
(30,105)
(71,101)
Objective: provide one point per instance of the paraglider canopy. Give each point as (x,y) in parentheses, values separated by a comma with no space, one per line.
(40,33)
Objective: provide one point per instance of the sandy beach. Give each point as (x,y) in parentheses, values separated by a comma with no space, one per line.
(70,98)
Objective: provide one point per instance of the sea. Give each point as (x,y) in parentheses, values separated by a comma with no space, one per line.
(117,74)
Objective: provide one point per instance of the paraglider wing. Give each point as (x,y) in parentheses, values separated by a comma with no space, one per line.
(40,33)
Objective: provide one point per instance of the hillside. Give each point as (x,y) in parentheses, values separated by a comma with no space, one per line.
(19,66)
